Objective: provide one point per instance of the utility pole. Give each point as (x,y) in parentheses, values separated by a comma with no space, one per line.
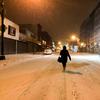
(2,56)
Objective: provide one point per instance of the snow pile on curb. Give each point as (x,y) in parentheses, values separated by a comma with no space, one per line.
(16,59)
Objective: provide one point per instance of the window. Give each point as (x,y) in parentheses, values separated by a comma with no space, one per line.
(11,31)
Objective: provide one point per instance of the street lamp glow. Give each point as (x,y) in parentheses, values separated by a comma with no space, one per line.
(37,2)
(73,37)
(95,43)
(67,45)
(83,44)
(59,43)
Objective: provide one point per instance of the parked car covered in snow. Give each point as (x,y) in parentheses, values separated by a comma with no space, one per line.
(48,51)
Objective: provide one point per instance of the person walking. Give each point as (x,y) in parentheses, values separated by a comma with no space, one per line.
(64,57)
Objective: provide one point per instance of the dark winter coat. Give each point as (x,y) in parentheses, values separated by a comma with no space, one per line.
(64,56)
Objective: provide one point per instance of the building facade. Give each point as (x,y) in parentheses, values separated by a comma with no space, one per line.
(97,29)
(11,36)
(17,42)
(28,33)
(24,38)
(44,37)
(90,31)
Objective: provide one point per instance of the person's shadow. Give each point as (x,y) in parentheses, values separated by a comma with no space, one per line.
(73,72)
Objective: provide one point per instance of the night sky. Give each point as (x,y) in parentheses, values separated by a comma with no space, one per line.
(60,18)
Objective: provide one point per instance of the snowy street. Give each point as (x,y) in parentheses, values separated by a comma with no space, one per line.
(40,77)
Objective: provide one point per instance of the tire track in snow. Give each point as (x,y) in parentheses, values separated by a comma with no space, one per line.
(44,72)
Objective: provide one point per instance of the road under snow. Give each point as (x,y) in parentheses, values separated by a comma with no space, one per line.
(42,79)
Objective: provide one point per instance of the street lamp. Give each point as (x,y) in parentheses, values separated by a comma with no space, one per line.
(74,43)
(83,44)
(59,43)
(2,56)
(73,37)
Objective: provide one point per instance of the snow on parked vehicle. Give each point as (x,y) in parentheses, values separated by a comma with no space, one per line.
(48,51)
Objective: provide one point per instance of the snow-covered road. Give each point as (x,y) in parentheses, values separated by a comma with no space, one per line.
(42,78)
